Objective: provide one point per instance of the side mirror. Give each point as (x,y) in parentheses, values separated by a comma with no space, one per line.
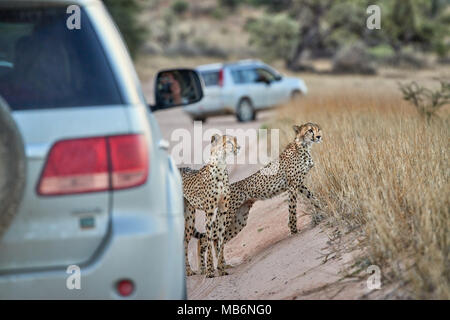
(177,87)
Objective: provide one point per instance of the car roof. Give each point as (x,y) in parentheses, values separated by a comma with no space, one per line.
(216,66)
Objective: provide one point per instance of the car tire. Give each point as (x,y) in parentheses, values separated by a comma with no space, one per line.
(12,167)
(296,94)
(245,111)
(198,118)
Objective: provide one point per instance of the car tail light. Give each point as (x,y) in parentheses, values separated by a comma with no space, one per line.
(95,164)
(129,161)
(125,287)
(221,77)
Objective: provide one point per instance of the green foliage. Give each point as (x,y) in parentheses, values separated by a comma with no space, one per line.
(382,52)
(232,4)
(419,22)
(274,35)
(272,5)
(343,24)
(218,13)
(327,25)
(180,7)
(126,13)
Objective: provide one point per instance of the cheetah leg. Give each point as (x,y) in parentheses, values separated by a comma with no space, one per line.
(237,223)
(203,243)
(209,247)
(316,216)
(304,190)
(216,247)
(221,265)
(224,220)
(202,246)
(200,252)
(188,231)
(292,211)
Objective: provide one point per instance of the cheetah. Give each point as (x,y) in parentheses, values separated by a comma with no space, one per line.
(207,189)
(290,171)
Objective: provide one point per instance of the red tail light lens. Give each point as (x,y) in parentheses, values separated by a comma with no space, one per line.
(221,78)
(75,166)
(95,164)
(129,161)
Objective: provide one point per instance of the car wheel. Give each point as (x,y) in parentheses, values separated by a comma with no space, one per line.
(12,167)
(296,94)
(198,118)
(245,111)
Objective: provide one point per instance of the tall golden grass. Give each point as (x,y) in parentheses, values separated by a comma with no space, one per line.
(383,171)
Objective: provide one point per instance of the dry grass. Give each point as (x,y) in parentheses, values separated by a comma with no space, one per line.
(384,172)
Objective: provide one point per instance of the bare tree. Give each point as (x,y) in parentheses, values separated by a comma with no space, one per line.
(427,101)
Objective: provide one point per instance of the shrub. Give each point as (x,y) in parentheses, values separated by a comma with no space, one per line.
(232,4)
(353,58)
(275,36)
(382,52)
(125,13)
(218,13)
(180,7)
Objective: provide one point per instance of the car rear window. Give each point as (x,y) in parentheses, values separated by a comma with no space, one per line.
(211,78)
(43,64)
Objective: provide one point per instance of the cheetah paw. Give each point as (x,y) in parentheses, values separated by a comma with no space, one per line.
(223,273)
(190,273)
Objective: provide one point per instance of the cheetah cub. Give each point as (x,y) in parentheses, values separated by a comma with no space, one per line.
(287,173)
(207,189)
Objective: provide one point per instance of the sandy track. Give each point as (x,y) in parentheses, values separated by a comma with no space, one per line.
(268,263)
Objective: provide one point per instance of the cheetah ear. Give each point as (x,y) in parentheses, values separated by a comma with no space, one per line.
(215,138)
(297,128)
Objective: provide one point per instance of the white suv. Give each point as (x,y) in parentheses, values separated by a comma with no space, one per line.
(243,88)
(100,214)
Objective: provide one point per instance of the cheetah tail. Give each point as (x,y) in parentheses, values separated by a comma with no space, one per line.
(198,235)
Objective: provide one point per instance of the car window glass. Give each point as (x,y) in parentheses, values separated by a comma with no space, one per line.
(43,64)
(265,74)
(211,78)
(249,75)
(237,76)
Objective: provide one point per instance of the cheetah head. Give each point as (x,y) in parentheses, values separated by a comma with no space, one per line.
(224,145)
(308,133)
